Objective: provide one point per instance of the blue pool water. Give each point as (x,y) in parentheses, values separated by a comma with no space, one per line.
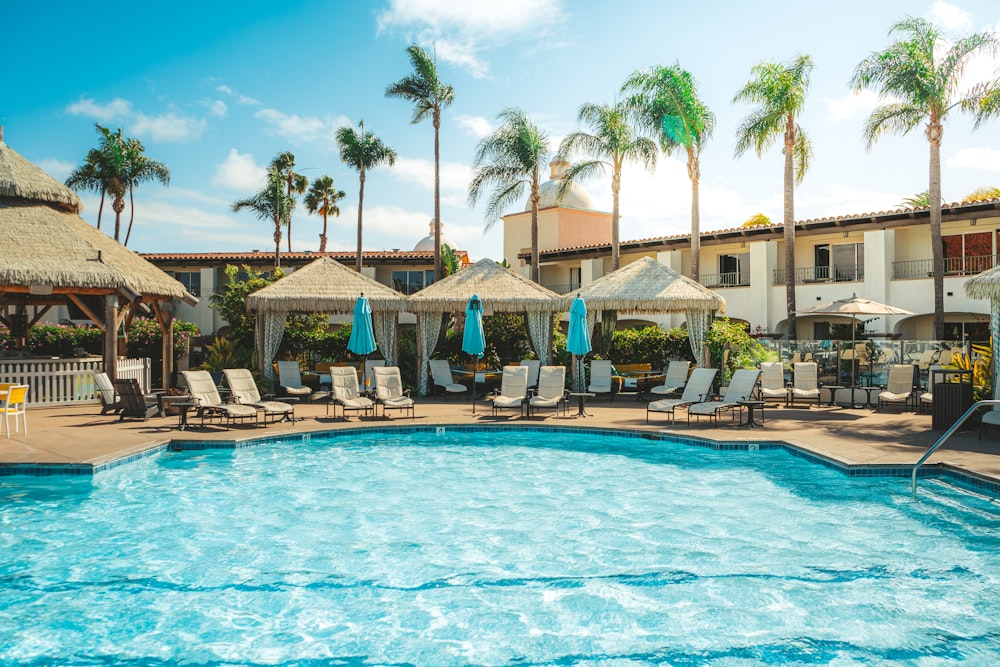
(494,549)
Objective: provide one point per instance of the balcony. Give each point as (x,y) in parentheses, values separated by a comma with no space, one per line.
(823,274)
(953,266)
(720,280)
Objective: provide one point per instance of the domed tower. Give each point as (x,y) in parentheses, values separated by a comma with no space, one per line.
(569,223)
(427,243)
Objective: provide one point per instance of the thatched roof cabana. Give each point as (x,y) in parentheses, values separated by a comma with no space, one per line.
(501,290)
(53,257)
(646,286)
(323,286)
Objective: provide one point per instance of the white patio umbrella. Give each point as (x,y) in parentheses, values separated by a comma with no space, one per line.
(852,307)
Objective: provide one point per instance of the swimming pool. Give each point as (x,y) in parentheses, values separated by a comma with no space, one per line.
(492,548)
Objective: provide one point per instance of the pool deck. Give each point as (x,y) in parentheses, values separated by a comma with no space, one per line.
(79,436)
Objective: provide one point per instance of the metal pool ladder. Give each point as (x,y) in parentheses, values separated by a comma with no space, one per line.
(944,438)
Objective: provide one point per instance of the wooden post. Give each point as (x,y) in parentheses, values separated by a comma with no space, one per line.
(166,321)
(109,350)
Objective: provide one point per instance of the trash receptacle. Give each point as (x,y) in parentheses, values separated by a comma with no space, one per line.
(951,399)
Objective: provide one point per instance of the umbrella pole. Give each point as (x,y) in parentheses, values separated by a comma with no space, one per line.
(473,385)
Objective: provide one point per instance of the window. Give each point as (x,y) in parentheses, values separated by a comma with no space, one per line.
(574,278)
(191,281)
(840,262)
(734,269)
(968,254)
(409,282)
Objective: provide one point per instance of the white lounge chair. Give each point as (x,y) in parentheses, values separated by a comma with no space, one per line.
(551,391)
(389,390)
(513,389)
(926,398)
(290,381)
(243,390)
(772,381)
(741,387)
(674,380)
(369,374)
(443,379)
(106,392)
(533,366)
(601,381)
(346,393)
(696,390)
(899,389)
(203,391)
(805,383)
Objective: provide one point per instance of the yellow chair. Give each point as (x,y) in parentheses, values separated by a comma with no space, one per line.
(13,405)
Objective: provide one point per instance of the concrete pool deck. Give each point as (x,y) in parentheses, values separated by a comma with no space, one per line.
(80,436)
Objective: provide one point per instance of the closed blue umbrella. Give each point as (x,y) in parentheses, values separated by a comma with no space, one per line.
(362,340)
(473,338)
(578,339)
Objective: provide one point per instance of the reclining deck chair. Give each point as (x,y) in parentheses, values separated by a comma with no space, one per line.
(899,389)
(106,392)
(13,405)
(210,406)
(695,390)
(772,381)
(346,394)
(135,404)
(674,380)
(805,383)
(368,379)
(389,390)
(926,398)
(551,391)
(513,390)
(244,391)
(290,381)
(534,365)
(601,381)
(741,388)
(442,378)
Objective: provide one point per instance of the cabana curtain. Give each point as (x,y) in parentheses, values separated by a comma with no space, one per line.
(274,329)
(540,331)
(428,328)
(385,333)
(697,325)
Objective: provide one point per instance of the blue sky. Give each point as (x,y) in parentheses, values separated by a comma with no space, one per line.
(215,90)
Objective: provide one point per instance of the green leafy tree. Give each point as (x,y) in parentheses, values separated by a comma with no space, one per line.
(231,301)
(918,78)
(424,89)
(511,158)
(779,91)
(667,104)
(757,220)
(982,194)
(271,203)
(322,198)
(295,183)
(362,151)
(611,142)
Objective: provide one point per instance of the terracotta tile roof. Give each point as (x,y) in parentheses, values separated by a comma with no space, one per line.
(267,256)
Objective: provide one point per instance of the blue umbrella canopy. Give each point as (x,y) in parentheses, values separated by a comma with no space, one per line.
(362,333)
(578,340)
(473,338)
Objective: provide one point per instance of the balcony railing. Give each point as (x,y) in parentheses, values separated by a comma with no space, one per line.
(823,274)
(953,266)
(731,279)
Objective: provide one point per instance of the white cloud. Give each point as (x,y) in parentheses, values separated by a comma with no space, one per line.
(454,177)
(57,169)
(217,108)
(477,126)
(239,171)
(303,130)
(105,113)
(168,127)
(853,105)
(223,88)
(949,16)
(242,99)
(462,54)
(986,159)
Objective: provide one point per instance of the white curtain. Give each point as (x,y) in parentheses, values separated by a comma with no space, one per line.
(428,328)
(697,325)
(384,323)
(995,337)
(274,329)
(540,333)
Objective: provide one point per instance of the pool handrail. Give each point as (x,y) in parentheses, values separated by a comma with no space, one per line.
(947,434)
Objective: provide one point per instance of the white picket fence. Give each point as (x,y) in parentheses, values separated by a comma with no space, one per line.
(67,381)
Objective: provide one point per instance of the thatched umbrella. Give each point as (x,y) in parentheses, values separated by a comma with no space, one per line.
(986,285)
(323,286)
(51,255)
(646,286)
(501,290)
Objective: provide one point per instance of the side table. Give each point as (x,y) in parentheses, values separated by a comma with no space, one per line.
(751,406)
(833,393)
(581,405)
(182,410)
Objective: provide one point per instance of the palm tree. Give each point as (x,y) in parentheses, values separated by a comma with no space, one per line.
(270,203)
(918,79)
(613,143)
(362,151)
(919,200)
(141,169)
(284,163)
(982,194)
(780,91)
(424,89)
(89,177)
(508,159)
(323,197)
(668,105)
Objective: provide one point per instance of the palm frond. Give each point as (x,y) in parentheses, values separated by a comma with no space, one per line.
(802,154)
(899,117)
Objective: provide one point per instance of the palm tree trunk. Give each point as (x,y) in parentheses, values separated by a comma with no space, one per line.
(118,205)
(289,222)
(277,240)
(438,272)
(694,173)
(790,226)
(361,205)
(322,237)
(535,199)
(616,180)
(131,216)
(934,135)
(100,209)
